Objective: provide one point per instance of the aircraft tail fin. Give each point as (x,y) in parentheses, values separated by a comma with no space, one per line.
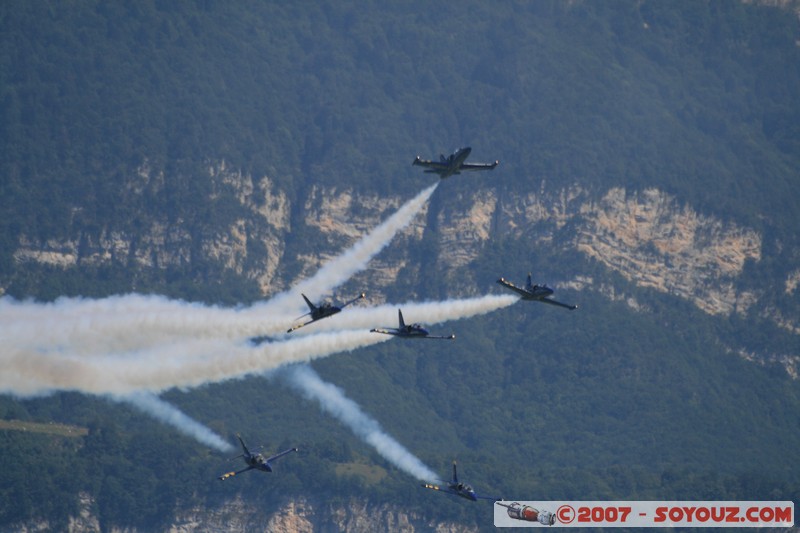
(530,281)
(455,473)
(308,302)
(244,448)
(400,318)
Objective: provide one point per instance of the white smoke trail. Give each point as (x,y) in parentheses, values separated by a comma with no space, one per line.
(154,406)
(49,343)
(39,368)
(424,312)
(333,400)
(185,364)
(124,323)
(339,270)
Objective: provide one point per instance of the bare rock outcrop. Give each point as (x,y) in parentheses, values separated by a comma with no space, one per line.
(646,236)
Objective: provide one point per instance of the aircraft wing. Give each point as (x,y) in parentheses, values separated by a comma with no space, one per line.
(354,300)
(435,166)
(443,337)
(225,476)
(291,329)
(508,285)
(442,168)
(279,455)
(440,489)
(560,304)
(385,331)
(478,166)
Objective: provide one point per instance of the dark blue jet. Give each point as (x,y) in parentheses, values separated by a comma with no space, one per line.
(538,293)
(454,164)
(324,310)
(413,331)
(459,489)
(255,461)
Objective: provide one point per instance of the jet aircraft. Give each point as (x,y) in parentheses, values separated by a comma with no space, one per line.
(255,461)
(459,489)
(324,310)
(454,164)
(528,513)
(413,331)
(539,293)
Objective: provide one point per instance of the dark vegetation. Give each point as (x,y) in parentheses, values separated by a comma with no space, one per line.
(698,99)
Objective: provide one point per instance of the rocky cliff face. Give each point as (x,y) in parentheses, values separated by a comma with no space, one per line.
(646,236)
(306,516)
(295,516)
(262,226)
(651,240)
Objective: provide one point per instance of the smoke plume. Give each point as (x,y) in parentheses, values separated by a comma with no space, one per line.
(125,323)
(135,346)
(171,415)
(184,364)
(34,367)
(424,312)
(333,400)
(342,268)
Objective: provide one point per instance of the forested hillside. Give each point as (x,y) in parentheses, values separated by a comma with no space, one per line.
(220,152)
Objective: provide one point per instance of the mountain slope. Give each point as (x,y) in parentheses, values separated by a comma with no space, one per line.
(220,153)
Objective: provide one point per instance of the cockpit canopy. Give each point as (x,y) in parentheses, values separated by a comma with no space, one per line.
(463,487)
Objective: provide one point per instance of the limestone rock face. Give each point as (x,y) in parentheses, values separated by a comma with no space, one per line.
(646,236)
(294,516)
(653,241)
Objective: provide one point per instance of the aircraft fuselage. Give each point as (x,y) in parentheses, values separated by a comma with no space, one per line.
(465,491)
(455,161)
(257,461)
(324,312)
(537,292)
(459,156)
(414,331)
(453,164)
